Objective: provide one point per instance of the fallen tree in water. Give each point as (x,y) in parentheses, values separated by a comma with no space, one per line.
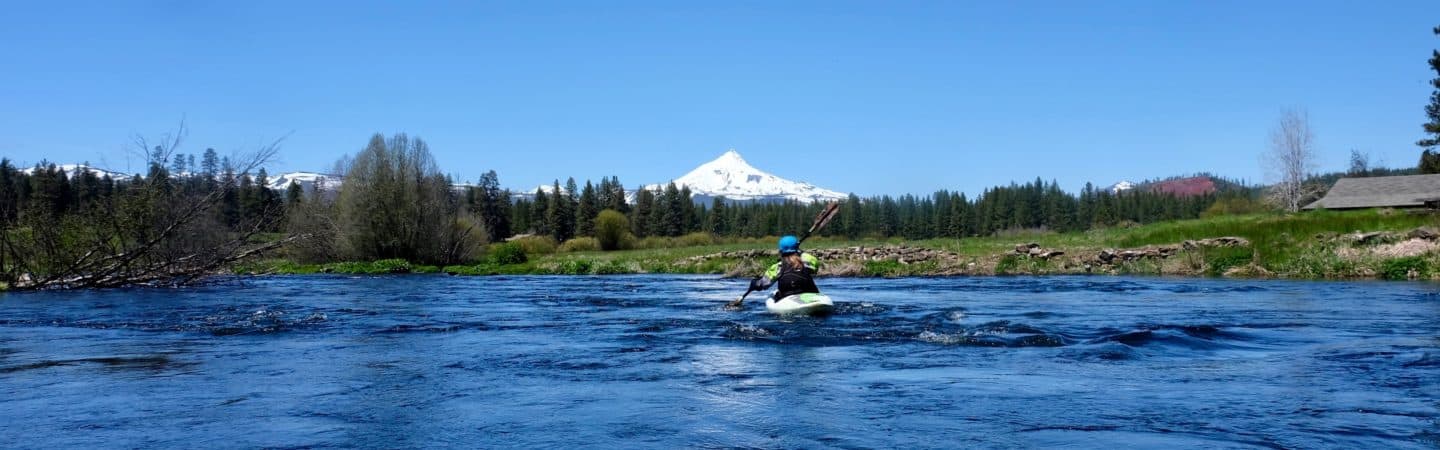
(155,230)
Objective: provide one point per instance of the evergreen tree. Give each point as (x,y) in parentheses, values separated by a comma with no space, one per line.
(229,205)
(210,169)
(493,206)
(617,197)
(572,204)
(294,194)
(688,213)
(718,221)
(1432,112)
(49,193)
(520,215)
(559,215)
(539,220)
(588,209)
(672,218)
(640,223)
(268,198)
(87,188)
(9,197)
(177,165)
(249,198)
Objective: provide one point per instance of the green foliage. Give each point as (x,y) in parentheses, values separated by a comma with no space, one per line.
(471,270)
(379,267)
(508,253)
(1275,238)
(580,244)
(1235,205)
(1429,162)
(1404,268)
(611,227)
(883,268)
(613,267)
(574,267)
(1008,264)
(696,239)
(492,205)
(1139,267)
(536,245)
(395,203)
(1220,259)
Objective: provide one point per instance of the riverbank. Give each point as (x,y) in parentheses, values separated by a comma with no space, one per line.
(1383,244)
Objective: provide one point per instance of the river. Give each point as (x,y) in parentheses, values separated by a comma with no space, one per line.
(657,362)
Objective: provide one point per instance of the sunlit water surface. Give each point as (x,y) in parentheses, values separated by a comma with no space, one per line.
(655,361)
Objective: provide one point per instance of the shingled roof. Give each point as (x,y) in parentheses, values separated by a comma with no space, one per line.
(1381,192)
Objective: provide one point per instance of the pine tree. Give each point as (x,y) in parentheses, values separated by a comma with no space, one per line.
(559,216)
(588,209)
(269,201)
(294,194)
(9,200)
(644,208)
(493,206)
(177,165)
(249,199)
(210,169)
(539,220)
(229,207)
(617,196)
(1432,111)
(572,203)
(520,215)
(672,219)
(718,221)
(688,212)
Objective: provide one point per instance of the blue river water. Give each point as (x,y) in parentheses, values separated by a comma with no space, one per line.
(657,362)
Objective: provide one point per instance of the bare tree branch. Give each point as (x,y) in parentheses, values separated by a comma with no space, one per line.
(1290,160)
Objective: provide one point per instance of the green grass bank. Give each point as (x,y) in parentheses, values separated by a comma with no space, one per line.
(1374,244)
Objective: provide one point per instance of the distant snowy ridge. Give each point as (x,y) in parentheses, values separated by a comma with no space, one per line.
(731,177)
(73,171)
(1120,187)
(307,180)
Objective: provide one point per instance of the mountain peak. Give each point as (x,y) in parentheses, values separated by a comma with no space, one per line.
(730,176)
(731,157)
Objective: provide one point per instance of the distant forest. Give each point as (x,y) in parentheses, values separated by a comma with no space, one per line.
(395,203)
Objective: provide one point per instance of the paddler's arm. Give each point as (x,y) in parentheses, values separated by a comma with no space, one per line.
(760,283)
(764,282)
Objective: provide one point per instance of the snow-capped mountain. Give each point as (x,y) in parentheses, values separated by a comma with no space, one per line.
(733,178)
(74,170)
(307,180)
(1120,187)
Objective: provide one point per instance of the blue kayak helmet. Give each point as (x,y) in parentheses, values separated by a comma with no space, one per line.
(789,244)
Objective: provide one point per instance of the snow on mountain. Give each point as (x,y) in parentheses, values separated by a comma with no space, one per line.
(307,180)
(733,178)
(74,170)
(1120,187)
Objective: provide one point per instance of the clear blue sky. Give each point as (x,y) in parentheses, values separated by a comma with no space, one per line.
(866,97)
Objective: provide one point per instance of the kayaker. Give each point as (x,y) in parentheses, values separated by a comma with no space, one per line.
(795,271)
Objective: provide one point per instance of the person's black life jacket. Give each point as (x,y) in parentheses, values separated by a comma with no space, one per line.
(795,281)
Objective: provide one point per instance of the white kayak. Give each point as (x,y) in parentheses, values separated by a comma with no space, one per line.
(801,304)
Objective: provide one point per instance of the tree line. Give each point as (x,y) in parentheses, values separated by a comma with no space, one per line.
(563,214)
(395,202)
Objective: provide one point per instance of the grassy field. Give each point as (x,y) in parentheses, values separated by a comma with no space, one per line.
(1317,245)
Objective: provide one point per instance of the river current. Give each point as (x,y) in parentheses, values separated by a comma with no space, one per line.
(657,362)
